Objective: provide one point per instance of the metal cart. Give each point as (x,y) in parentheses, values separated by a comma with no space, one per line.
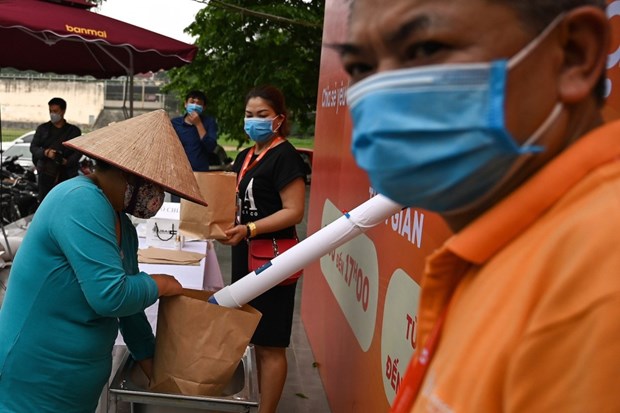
(240,395)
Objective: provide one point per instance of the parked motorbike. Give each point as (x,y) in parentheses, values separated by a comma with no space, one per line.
(18,191)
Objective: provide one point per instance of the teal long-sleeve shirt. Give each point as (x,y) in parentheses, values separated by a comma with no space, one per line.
(70,288)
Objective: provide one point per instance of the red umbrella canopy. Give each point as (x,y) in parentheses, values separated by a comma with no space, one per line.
(65,37)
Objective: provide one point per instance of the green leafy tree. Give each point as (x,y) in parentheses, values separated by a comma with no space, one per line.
(244,43)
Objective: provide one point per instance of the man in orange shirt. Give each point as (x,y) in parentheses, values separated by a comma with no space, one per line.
(488,112)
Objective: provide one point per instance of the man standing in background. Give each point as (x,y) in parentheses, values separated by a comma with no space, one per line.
(197,131)
(54,162)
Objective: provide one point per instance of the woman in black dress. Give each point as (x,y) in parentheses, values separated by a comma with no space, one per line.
(270,201)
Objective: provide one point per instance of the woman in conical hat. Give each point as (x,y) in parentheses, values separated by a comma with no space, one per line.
(75,278)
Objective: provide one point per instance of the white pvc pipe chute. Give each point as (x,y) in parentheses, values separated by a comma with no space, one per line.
(351,224)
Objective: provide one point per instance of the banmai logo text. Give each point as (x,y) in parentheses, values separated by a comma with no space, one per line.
(89,32)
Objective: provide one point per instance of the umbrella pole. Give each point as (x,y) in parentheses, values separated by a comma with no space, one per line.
(128,80)
(125,97)
(6,239)
(131,95)
(131,84)
(128,95)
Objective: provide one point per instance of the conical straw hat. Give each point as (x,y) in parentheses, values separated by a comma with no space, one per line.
(147,146)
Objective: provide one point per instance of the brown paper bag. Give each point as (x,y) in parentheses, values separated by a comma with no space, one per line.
(218,189)
(198,345)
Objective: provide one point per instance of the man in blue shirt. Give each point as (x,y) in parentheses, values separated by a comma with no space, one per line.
(197,131)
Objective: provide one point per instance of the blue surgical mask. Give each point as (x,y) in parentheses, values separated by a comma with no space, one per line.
(259,129)
(193,107)
(435,137)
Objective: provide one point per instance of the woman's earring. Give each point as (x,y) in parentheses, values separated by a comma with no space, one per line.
(278,127)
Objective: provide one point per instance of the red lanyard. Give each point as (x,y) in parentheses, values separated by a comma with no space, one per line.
(414,376)
(246,162)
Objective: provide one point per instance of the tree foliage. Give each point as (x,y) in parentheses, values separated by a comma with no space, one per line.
(244,43)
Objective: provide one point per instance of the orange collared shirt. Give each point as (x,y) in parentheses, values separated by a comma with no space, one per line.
(534,291)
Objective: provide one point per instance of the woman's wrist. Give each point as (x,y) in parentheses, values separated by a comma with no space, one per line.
(251,230)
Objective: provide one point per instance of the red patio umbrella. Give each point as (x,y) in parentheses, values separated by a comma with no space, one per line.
(65,37)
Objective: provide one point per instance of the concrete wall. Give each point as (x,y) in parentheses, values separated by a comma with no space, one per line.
(23,101)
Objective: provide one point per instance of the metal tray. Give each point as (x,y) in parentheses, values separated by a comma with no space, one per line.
(240,395)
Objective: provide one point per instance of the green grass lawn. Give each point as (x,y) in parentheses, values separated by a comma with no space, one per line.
(9,134)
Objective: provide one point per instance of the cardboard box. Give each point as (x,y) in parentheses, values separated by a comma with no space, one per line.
(162,231)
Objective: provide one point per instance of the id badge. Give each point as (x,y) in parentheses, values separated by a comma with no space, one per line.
(238,211)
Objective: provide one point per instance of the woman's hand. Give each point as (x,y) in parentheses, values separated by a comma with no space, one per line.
(147,367)
(235,235)
(167,285)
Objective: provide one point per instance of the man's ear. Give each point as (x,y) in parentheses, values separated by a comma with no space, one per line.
(586,39)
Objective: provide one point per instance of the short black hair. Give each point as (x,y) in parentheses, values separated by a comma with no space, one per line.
(540,13)
(536,15)
(58,101)
(196,94)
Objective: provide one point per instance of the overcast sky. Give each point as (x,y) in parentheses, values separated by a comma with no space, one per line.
(167,17)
